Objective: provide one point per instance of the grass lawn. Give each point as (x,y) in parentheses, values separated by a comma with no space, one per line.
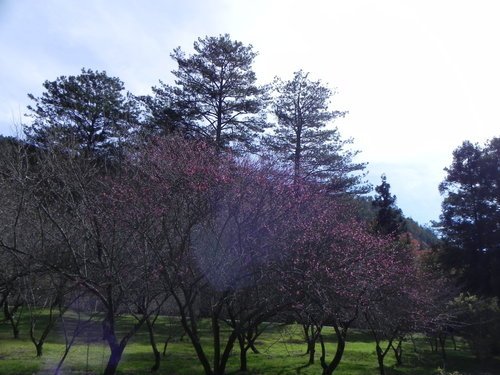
(281,352)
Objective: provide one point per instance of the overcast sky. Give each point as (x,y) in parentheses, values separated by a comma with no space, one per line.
(417,77)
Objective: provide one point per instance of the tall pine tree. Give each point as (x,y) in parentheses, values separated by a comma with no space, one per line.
(216,91)
(304,139)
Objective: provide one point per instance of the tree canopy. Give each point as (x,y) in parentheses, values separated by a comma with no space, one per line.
(216,91)
(88,111)
(389,218)
(470,219)
(303,136)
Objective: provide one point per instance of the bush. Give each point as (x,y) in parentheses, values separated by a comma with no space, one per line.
(480,324)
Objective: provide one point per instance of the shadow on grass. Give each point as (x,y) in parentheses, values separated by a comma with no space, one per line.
(282,352)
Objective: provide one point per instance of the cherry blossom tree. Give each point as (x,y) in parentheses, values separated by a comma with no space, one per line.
(232,240)
(172,187)
(334,264)
(219,219)
(397,306)
(241,265)
(77,232)
(409,296)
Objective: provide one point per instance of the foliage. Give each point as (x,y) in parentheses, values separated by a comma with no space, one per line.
(367,211)
(337,270)
(389,220)
(470,217)
(480,323)
(234,240)
(216,91)
(60,226)
(183,222)
(303,138)
(160,115)
(88,111)
(423,233)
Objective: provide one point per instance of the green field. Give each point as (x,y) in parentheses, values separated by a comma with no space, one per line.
(281,349)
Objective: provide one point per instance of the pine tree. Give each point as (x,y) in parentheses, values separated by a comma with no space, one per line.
(303,139)
(216,91)
(88,112)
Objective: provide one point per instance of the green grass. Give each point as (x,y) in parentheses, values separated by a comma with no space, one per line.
(281,352)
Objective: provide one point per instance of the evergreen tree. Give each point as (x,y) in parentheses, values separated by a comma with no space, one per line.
(89,112)
(217,91)
(302,139)
(161,116)
(470,219)
(389,219)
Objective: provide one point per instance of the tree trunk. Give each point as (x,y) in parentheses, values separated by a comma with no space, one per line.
(252,335)
(108,331)
(243,361)
(329,369)
(165,346)
(415,349)
(311,349)
(322,359)
(70,341)
(39,343)
(341,333)
(243,354)
(15,330)
(117,348)
(66,352)
(216,340)
(433,343)
(254,349)
(218,131)
(311,333)
(57,371)
(398,352)
(190,328)
(39,349)
(380,360)
(225,355)
(152,341)
(200,353)
(305,327)
(114,360)
(298,143)
(442,342)
(9,315)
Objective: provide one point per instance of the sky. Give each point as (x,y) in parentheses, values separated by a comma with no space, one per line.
(417,77)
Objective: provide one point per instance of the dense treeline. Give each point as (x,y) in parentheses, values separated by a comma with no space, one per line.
(215,198)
